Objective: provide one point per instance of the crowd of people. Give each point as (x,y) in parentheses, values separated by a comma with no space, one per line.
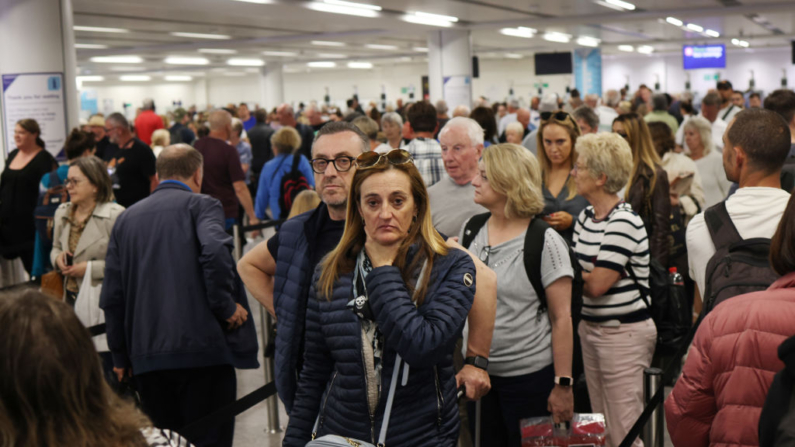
(502,250)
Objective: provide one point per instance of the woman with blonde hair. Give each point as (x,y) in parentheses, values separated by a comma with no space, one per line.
(647,189)
(53,392)
(285,144)
(306,200)
(530,362)
(557,135)
(390,292)
(709,162)
(160,139)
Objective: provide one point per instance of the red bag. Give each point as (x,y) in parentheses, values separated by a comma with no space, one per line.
(585,430)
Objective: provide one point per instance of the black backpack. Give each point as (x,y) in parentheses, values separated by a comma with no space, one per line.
(292,183)
(739,265)
(533,248)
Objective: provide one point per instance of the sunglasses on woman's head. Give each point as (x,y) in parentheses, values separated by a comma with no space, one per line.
(396,157)
(560,116)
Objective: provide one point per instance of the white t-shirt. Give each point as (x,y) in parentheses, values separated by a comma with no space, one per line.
(504,121)
(755,212)
(718,128)
(713,178)
(606,117)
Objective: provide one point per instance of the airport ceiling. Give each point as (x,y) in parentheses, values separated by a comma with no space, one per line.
(298,33)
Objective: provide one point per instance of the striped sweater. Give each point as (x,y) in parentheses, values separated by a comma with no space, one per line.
(612,243)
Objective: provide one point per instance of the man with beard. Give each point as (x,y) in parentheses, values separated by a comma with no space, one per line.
(132,168)
(279,273)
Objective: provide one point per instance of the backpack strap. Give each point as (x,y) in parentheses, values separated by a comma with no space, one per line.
(296,160)
(720,225)
(472,228)
(533,251)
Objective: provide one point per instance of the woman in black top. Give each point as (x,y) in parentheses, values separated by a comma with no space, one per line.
(19,192)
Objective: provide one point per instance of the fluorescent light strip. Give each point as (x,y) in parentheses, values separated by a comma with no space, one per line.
(332,55)
(217,51)
(135,78)
(90,46)
(526,33)
(99,29)
(621,4)
(238,62)
(428,15)
(740,43)
(627,48)
(353,4)
(608,5)
(117,59)
(557,37)
(360,65)
(90,78)
(712,33)
(587,41)
(645,49)
(178,78)
(694,27)
(419,20)
(201,35)
(321,64)
(513,56)
(421,49)
(327,43)
(375,46)
(179,60)
(674,21)
(279,53)
(347,10)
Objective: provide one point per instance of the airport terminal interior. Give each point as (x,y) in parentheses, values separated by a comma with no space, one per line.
(700,90)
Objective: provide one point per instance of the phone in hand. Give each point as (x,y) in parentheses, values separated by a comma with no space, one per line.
(69,259)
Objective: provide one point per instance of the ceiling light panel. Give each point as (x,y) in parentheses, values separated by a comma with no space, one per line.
(674,21)
(360,65)
(645,49)
(621,4)
(712,33)
(217,51)
(521,31)
(327,43)
(627,48)
(353,4)
(179,60)
(424,18)
(90,78)
(178,78)
(321,64)
(279,53)
(587,41)
(201,36)
(338,9)
(694,27)
(90,46)
(117,59)
(332,55)
(554,36)
(99,29)
(239,62)
(135,78)
(375,46)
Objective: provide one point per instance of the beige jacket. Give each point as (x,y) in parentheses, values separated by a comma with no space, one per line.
(94,241)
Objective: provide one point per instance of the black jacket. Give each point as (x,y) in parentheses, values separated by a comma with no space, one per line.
(655,209)
(260,138)
(777,422)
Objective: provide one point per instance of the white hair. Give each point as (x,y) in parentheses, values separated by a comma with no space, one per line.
(392,118)
(515,127)
(704,129)
(461,111)
(473,129)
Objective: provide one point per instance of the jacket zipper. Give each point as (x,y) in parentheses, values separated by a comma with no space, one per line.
(325,401)
(367,386)
(439,397)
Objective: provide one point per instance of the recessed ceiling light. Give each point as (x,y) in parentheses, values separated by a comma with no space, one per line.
(376,46)
(353,4)
(740,43)
(627,48)
(621,4)
(238,62)
(90,46)
(90,78)
(608,5)
(279,53)
(332,55)
(217,51)
(99,29)
(117,59)
(337,9)
(712,33)
(360,65)
(588,41)
(178,78)
(179,60)
(135,78)
(424,18)
(674,21)
(513,56)
(694,27)
(645,49)
(521,31)
(435,16)
(201,35)
(327,43)
(321,64)
(421,49)
(555,36)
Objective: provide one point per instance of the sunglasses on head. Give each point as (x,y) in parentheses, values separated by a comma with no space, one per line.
(396,157)
(560,116)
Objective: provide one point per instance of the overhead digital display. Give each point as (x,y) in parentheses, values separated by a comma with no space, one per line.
(704,56)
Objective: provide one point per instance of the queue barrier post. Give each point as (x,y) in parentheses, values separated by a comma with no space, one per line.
(653,432)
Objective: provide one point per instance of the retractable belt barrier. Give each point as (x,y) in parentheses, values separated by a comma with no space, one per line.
(657,399)
(260,226)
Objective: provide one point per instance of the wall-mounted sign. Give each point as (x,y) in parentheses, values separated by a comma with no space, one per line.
(39,96)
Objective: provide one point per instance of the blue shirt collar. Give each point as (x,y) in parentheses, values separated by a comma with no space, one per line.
(176,182)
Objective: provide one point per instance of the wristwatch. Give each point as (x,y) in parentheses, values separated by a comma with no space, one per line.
(478,362)
(564,381)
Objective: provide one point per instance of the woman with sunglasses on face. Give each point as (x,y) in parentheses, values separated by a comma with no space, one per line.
(558,134)
(647,190)
(390,290)
(530,362)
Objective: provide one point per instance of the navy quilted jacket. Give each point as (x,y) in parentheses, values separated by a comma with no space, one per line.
(425,412)
(290,291)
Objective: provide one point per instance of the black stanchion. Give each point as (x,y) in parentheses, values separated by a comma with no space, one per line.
(260,226)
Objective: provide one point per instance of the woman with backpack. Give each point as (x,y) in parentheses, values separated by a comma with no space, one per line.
(531,353)
(285,142)
(617,333)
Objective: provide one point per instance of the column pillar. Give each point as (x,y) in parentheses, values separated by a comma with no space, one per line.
(450,67)
(48,47)
(271,85)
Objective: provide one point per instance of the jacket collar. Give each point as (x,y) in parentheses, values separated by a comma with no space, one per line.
(785,282)
(164,186)
(102,210)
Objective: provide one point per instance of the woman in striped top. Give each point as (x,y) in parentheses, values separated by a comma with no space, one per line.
(617,333)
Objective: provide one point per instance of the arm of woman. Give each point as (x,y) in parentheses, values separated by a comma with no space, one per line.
(599,281)
(317,369)
(561,400)
(661,213)
(691,407)
(98,265)
(423,336)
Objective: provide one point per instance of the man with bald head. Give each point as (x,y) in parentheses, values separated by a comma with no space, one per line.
(287,118)
(523,118)
(223,175)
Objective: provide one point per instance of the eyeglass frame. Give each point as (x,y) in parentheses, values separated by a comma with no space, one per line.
(333,161)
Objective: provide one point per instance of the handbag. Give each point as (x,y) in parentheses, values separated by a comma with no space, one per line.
(52,285)
(87,308)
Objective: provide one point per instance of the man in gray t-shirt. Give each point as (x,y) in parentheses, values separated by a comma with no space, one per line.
(453,198)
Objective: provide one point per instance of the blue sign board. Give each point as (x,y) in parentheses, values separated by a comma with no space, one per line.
(704,56)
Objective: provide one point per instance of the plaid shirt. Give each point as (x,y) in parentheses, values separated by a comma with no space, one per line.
(427,155)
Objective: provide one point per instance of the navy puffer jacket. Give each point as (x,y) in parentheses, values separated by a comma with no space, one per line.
(333,380)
